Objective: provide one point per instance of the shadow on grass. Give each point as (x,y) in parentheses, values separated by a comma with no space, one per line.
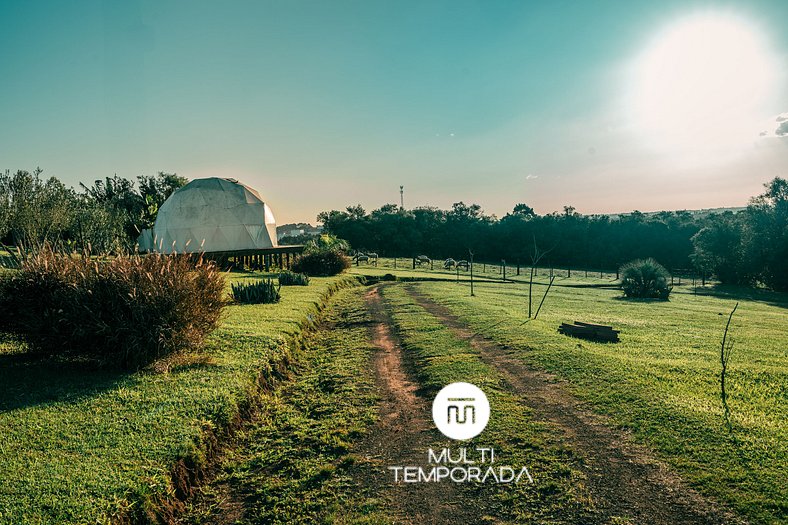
(33,379)
(741,293)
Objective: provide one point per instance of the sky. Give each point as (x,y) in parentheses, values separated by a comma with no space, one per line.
(605,106)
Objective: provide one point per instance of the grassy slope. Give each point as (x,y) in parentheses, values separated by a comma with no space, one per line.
(558,496)
(294,464)
(77,445)
(661,380)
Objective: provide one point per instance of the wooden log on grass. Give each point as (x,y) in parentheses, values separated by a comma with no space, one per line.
(589,331)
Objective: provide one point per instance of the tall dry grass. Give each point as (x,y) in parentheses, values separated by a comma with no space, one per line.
(125,311)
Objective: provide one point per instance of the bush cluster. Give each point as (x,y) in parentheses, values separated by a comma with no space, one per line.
(646,279)
(323,257)
(321,264)
(124,311)
(288,278)
(256,292)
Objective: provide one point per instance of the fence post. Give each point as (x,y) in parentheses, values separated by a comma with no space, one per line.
(518,268)
(503,269)
(414,263)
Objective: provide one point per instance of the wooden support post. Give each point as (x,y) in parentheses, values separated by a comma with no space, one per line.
(503,270)
(414,263)
(518,268)
(432,264)
(568,273)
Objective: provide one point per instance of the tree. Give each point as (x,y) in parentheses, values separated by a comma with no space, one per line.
(35,211)
(154,190)
(523,210)
(717,249)
(765,235)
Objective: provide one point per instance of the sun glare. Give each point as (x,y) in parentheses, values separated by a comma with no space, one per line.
(702,85)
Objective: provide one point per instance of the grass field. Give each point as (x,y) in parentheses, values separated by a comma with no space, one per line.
(90,445)
(294,463)
(84,446)
(440,358)
(662,380)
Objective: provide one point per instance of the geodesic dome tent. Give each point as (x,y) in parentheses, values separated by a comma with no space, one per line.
(211,215)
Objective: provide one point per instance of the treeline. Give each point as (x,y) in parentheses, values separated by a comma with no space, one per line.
(749,247)
(105,217)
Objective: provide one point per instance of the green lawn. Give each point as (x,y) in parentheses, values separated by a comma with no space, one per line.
(295,463)
(440,358)
(661,380)
(84,446)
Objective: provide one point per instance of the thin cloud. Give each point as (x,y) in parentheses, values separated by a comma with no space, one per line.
(781,129)
(531,177)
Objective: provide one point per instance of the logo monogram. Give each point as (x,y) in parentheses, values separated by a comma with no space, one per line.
(461,411)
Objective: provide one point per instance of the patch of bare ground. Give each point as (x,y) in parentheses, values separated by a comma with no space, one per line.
(403,434)
(626,480)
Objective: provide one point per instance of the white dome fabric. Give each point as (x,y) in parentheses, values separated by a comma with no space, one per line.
(212,215)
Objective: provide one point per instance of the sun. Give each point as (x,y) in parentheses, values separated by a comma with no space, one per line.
(702,85)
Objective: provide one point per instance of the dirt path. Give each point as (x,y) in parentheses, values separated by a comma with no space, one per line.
(404,433)
(625,478)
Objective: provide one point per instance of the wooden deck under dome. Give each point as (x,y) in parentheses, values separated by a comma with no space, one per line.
(259,259)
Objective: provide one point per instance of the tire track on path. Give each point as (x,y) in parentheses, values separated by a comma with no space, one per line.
(626,479)
(404,433)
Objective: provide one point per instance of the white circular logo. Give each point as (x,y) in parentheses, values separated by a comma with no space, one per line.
(461,411)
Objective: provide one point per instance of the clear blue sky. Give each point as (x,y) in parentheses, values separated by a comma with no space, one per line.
(320,105)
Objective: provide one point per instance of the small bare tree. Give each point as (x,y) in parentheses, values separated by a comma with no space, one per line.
(536,256)
(726,348)
(552,278)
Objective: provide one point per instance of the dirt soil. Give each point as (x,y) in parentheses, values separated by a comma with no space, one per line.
(403,434)
(625,478)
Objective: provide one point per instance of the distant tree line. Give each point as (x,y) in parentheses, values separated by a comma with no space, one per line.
(749,247)
(105,217)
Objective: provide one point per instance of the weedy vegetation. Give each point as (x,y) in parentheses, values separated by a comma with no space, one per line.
(288,278)
(125,311)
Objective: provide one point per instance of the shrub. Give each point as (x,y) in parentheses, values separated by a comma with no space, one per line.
(645,278)
(323,256)
(288,278)
(257,292)
(321,264)
(125,311)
